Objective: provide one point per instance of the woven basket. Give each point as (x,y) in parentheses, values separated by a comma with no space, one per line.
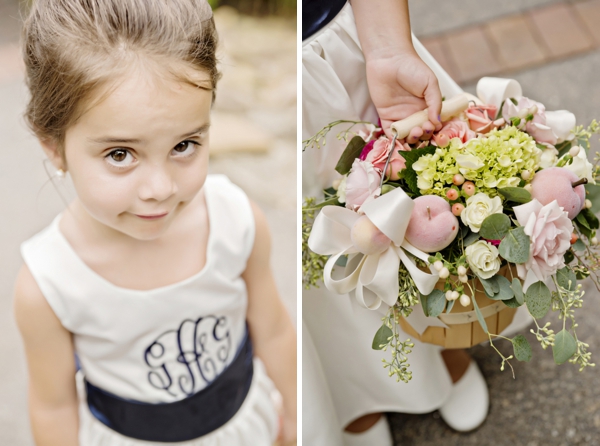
(463,335)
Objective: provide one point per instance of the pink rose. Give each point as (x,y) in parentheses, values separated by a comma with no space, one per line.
(482,118)
(379,154)
(454,128)
(362,184)
(366,149)
(541,133)
(522,109)
(549,229)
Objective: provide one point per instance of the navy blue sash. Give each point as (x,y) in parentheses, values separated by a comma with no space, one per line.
(183,420)
(318,13)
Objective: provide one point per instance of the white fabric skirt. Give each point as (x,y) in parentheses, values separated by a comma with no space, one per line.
(334,87)
(255,424)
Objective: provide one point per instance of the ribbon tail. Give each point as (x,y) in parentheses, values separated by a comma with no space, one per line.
(425,282)
(347,283)
(378,280)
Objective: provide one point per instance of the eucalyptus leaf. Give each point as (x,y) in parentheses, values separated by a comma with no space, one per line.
(450,306)
(490,286)
(564,276)
(351,152)
(579,246)
(470,239)
(593,194)
(583,228)
(515,194)
(515,246)
(479,315)
(506,291)
(424,304)
(382,337)
(512,303)
(495,227)
(521,348)
(517,288)
(564,347)
(582,220)
(538,299)
(436,303)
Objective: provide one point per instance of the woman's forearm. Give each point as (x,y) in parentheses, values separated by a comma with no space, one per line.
(54,425)
(383,27)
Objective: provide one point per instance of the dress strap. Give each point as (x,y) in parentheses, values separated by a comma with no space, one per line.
(183,420)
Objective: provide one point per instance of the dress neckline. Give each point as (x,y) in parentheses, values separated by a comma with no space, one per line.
(209,256)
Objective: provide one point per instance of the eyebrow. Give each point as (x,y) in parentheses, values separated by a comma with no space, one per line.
(119,140)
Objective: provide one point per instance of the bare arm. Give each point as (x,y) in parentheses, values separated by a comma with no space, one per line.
(400,83)
(51,363)
(271,329)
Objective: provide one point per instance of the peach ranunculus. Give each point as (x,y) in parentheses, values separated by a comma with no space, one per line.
(549,229)
(482,118)
(454,128)
(362,184)
(378,156)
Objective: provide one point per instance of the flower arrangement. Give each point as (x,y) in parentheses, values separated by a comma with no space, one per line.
(494,211)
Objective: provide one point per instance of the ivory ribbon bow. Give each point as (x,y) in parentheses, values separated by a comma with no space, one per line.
(373,279)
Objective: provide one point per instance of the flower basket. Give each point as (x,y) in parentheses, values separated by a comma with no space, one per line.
(463,329)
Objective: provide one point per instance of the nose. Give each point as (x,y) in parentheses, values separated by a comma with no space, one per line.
(157,184)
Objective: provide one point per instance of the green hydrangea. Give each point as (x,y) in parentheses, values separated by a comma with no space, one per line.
(491,162)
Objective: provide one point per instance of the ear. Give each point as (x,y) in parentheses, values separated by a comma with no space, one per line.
(50,147)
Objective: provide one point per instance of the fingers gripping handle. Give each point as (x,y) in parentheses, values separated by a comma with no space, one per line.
(450,108)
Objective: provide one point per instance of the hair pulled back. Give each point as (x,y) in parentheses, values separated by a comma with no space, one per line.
(72,47)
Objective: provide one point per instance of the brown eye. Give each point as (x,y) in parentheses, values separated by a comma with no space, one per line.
(118,155)
(181,147)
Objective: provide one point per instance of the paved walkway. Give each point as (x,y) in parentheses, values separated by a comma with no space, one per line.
(551,48)
(256,54)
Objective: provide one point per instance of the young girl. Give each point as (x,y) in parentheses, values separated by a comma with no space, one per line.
(156,277)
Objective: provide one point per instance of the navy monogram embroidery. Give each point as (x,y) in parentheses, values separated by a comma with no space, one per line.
(193,354)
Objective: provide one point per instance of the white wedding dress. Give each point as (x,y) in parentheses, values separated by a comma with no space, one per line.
(343,378)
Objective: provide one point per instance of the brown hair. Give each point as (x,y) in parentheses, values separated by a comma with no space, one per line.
(72,47)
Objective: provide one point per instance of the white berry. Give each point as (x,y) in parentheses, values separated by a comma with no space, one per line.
(526,175)
(455,295)
(588,204)
(528,188)
(438,265)
(449,295)
(594,241)
(574,151)
(465,300)
(461,270)
(444,273)
(463,279)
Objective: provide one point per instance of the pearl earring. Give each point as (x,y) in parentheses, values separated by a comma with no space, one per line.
(60,173)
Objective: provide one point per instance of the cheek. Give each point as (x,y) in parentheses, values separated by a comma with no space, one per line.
(104,195)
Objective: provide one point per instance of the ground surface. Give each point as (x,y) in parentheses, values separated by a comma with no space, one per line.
(555,58)
(256,54)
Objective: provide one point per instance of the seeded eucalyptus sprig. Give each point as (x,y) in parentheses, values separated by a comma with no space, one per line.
(312,263)
(318,139)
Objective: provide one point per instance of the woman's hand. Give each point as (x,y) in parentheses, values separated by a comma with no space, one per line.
(401,84)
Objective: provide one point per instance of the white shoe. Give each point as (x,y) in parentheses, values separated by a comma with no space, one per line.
(468,403)
(378,435)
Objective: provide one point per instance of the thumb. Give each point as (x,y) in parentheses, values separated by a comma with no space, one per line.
(433,99)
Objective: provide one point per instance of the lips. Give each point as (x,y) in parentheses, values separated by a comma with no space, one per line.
(152,216)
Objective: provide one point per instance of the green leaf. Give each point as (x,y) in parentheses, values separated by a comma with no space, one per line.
(579,245)
(569,256)
(450,306)
(470,239)
(513,100)
(490,286)
(351,152)
(436,302)
(382,337)
(591,219)
(521,348)
(582,221)
(410,176)
(564,347)
(515,246)
(333,201)
(517,288)
(479,315)
(506,291)
(515,194)
(495,227)
(538,299)
(563,147)
(563,276)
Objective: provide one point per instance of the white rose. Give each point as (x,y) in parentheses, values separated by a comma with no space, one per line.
(549,157)
(483,259)
(581,166)
(479,207)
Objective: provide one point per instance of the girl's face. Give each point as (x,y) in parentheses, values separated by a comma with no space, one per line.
(140,155)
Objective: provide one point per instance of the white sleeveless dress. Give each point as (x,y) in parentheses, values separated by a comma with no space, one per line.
(130,342)
(342,373)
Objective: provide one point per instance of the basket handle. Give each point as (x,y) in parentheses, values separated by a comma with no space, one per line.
(450,108)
